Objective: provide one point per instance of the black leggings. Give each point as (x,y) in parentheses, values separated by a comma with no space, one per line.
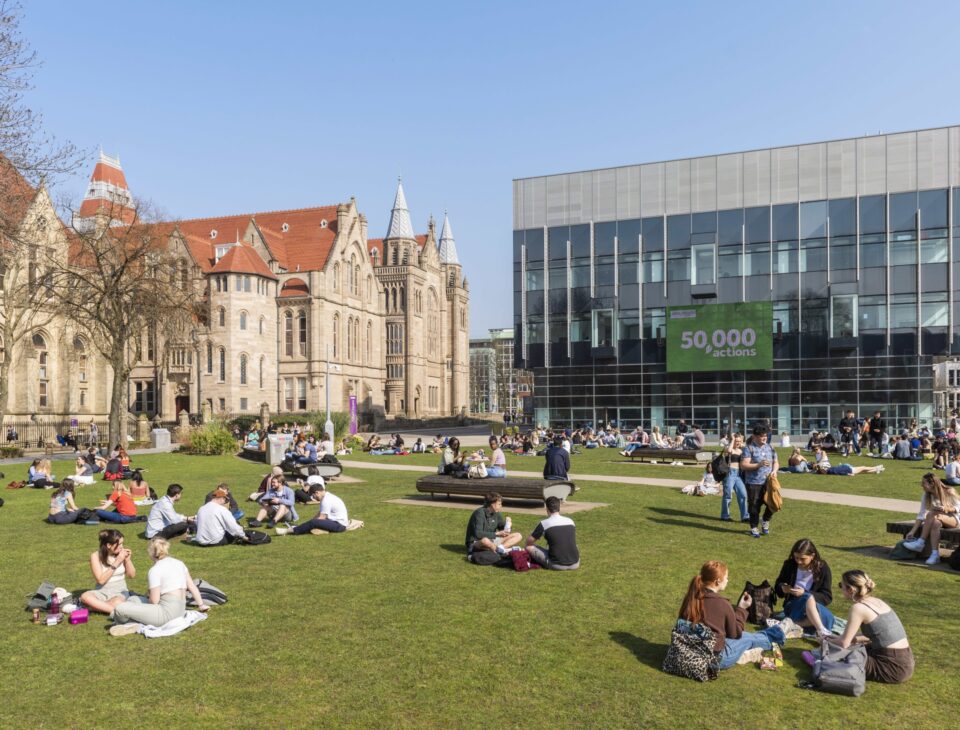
(755,501)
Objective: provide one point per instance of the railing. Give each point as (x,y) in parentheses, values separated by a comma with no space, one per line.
(41,431)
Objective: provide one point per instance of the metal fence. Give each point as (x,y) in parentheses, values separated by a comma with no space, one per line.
(38,432)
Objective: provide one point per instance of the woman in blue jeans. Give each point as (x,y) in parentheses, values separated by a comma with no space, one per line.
(733,482)
(804,585)
(704,604)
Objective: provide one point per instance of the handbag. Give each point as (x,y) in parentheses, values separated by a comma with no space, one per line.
(691,652)
(521,561)
(763,599)
(899,552)
(841,671)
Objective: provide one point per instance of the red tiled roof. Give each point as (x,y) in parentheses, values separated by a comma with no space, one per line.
(109,174)
(294,288)
(242,259)
(16,195)
(377,244)
(91,207)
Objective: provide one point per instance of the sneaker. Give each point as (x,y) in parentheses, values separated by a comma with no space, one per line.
(751,656)
(934,558)
(124,629)
(881,469)
(253,523)
(318,531)
(754,532)
(790,629)
(766,527)
(271,524)
(808,658)
(501,550)
(915,546)
(726,519)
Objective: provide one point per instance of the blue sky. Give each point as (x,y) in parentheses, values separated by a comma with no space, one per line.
(225,107)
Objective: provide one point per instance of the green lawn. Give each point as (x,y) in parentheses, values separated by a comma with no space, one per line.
(388,626)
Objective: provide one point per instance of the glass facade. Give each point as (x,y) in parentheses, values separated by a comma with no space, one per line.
(863,286)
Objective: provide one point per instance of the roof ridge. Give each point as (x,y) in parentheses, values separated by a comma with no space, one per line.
(254,215)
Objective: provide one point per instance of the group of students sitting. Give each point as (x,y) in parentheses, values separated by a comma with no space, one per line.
(804,584)
(454,462)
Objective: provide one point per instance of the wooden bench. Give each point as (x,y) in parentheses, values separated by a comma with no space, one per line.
(508,487)
(686,456)
(948,535)
(327,471)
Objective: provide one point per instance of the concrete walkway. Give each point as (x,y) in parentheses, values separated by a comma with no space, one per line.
(802,495)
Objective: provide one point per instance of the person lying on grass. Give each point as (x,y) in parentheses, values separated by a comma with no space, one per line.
(846,470)
(332,516)
(939,508)
(489,529)
(804,585)
(111,564)
(889,656)
(168,581)
(704,604)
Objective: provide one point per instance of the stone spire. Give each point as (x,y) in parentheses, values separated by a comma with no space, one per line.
(400,226)
(447,246)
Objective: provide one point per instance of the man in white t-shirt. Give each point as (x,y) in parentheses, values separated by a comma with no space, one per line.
(332,516)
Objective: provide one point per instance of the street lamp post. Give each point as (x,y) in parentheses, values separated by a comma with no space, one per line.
(328,426)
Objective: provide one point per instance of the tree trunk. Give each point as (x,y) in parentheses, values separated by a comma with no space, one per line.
(118,399)
(8,345)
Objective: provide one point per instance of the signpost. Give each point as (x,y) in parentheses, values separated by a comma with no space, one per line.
(718,337)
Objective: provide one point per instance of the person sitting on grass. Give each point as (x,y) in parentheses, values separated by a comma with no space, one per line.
(707,486)
(63,510)
(312,491)
(418,447)
(164,520)
(39,475)
(276,504)
(215,525)
(489,529)
(498,462)
(139,489)
(556,460)
(939,508)
(952,470)
(797,463)
(903,450)
(331,517)
(231,501)
(437,445)
(889,656)
(560,532)
(373,443)
(168,581)
(704,604)
(111,564)
(82,468)
(94,459)
(804,585)
(124,508)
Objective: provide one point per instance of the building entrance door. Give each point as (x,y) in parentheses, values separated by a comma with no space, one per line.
(182,403)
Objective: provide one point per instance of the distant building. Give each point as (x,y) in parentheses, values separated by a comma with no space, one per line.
(496,386)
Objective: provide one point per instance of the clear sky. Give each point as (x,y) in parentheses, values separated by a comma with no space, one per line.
(225,107)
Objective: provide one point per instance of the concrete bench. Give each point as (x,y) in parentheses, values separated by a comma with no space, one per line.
(686,456)
(255,454)
(327,471)
(507,487)
(949,536)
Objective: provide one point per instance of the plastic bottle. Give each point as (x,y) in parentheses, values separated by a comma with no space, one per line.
(54,605)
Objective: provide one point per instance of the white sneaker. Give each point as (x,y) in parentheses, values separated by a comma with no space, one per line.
(124,629)
(934,558)
(915,546)
(790,629)
(881,469)
(751,656)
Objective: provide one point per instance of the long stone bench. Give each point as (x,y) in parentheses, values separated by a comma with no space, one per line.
(686,456)
(949,536)
(326,470)
(508,487)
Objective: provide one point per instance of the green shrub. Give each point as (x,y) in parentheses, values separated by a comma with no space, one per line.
(211,439)
(341,424)
(10,452)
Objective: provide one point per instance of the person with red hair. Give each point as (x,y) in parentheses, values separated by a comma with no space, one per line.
(703,604)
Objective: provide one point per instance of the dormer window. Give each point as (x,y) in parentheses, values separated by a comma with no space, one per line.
(222,250)
(213,234)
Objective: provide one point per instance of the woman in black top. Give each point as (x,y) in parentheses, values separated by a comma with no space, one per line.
(804,584)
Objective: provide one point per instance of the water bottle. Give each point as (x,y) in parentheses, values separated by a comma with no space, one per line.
(54,605)
(507,525)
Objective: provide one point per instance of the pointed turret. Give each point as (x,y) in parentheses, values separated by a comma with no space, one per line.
(400,226)
(447,247)
(107,195)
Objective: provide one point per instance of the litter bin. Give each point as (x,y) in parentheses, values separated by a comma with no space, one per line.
(160,438)
(277,445)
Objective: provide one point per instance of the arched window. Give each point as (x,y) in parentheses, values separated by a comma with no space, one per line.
(243,370)
(288,334)
(406,253)
(43,375)
(260,373)
(393,252)
(222,375)
(336,335)
(222,316)
(243,320)
(354,274)
(349,338)
(209,358)
(80,349)
(261,325)
(433,322)
(302,327)
(356,339)
(394,307)
(403,298)
(336,277)
(369,342)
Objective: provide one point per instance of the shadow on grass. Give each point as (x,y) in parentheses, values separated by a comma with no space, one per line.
(454,548)
(645,651)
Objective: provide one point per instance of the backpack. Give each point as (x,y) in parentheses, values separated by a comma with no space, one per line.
(41,597)
(763,599)
(487,557)
(209,593)
(720,467)
(954,560)
(841,671)
(255,537)
(899,552)
(691,652)
(84,514)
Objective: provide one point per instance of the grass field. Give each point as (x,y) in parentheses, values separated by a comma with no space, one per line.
(390,627)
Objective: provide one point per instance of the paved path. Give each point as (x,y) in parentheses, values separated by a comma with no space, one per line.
(803,495)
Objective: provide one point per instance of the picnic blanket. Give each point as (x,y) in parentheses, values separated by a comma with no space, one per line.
(175,626)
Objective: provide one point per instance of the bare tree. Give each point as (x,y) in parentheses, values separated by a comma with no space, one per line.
(29,228)
(128,275)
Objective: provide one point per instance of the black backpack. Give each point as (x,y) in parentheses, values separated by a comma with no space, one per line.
(255,537)
(763,600)
(720,466)
(954,560)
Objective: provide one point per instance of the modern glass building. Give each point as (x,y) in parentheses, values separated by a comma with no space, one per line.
(853,241)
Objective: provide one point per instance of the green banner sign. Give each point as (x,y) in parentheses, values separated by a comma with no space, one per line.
(709,337)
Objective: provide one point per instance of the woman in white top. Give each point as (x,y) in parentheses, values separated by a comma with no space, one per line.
(498,462)
(939,508)
(656,440)
(110,565)
(168,581)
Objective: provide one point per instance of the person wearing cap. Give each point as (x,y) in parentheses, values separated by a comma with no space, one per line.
(215,524)
(332,516)
(231,502)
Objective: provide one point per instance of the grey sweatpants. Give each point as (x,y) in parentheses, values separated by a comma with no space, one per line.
(138,609)
(538,555)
